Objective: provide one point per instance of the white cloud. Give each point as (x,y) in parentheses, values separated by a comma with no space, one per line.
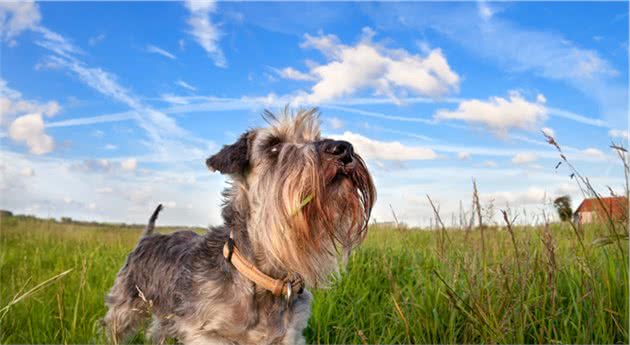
(57,44)
(129,164)
(185,85)
(385,150)
(126,198)
(27,171)
(489,164)
(104,190)
(525,50)
(166,139)
(532,195)
(169,204)
(567,189)
(594,153)
(293,74)
(485,11)
(334,122)
(619,133)
(29,129)
(111,147)
(174,99)
(106,165)
(96,165)
(524,158)
(17,16)
(464,155)
(12,103)
(369,66)
(499,114)
(205,32)
(94,40)
(157,50)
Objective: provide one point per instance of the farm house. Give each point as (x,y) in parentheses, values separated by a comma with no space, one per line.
(590,210)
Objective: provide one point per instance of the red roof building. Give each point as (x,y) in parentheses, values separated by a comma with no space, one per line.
(592,210)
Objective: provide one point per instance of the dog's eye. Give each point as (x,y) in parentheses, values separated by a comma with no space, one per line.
(275,149)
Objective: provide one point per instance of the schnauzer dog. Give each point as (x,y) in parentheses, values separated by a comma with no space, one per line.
(296,206)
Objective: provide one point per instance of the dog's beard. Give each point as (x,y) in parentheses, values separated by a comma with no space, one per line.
(308,214)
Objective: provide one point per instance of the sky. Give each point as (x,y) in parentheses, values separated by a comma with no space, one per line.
(107,109)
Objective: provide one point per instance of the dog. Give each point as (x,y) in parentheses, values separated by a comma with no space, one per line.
(296,206)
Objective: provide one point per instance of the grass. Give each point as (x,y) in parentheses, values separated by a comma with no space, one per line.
(528,285)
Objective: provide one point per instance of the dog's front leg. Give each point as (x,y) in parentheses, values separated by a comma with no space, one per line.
(301,311)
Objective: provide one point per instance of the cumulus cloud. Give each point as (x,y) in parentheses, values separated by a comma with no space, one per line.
(169,204)
(25,119)
(293,74)
(27,171)
(205,32)
(619,133)
(129,164)
(369,66)
(567,189)
(533,195)
(517,48)
(12,103)
(385,150)
(499,114)
(17,16)
(524,158)
(104,190)
(157,50)
(29,129)
(464,155)
(334,123)
(100,165)
(106,165)
(594,153)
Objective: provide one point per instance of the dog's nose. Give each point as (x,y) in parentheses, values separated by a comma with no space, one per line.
(342,150)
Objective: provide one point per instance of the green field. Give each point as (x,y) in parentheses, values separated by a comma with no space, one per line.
(543,285)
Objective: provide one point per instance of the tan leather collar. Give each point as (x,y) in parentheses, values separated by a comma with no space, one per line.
(292,284)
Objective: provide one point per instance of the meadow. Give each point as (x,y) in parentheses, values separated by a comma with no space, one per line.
(524,284)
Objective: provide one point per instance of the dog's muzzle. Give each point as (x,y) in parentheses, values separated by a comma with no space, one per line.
(341,152)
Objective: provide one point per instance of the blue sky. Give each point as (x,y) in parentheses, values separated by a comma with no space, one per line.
(110,108)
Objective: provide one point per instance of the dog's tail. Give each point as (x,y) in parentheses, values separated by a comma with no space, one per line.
(151,225)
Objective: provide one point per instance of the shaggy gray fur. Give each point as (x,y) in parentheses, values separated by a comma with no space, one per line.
(174,273)
(183,282)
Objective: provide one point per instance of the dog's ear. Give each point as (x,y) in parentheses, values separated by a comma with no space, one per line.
(232,159)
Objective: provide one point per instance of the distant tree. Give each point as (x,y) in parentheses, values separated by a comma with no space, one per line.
(563,206)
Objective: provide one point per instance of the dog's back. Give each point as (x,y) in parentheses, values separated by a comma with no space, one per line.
(157,264)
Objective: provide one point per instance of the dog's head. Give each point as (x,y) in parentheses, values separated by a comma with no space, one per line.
(307,199)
